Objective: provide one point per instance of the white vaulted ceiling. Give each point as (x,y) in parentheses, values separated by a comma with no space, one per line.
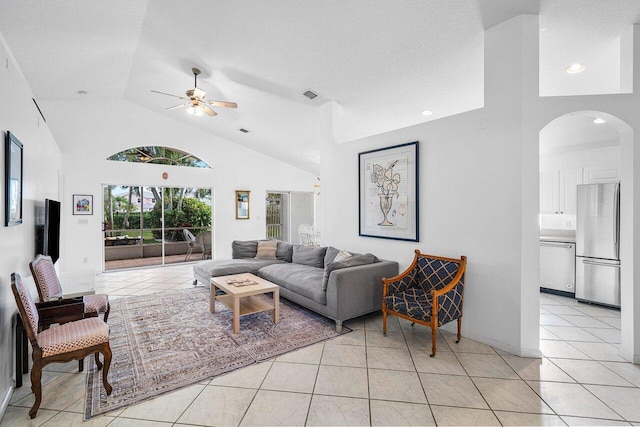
(376,64)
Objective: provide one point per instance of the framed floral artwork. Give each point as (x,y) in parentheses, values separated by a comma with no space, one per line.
(82,204)
(388,192)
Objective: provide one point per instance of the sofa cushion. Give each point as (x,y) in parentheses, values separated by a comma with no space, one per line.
(226,267)
(267,249)
(285,251)
(330,254)
(349,262)
(309,255)
(301,279)
(244,249)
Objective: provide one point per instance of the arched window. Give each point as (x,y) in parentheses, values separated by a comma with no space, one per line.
(159,156)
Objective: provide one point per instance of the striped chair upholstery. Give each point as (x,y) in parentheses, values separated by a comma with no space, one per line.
(31,312)
(97,303)
(73,336)
(430,292)
(47,282)
(49,288)
(62,343)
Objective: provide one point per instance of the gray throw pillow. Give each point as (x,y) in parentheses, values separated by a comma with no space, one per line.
(331,254)
(363,259)
(244,249)
(285,251)
(309,255)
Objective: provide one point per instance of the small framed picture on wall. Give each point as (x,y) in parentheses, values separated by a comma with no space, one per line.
(82,204)
(242,204)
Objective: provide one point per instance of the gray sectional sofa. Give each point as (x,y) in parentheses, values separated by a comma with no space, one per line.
(338,288)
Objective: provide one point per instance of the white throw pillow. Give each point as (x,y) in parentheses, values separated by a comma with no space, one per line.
(342,255)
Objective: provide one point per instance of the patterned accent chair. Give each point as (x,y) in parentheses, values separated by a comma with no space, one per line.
(62,343)
(49,288)
(429,292)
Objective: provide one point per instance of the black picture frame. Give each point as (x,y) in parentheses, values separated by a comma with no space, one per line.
(388,196)
(13,166)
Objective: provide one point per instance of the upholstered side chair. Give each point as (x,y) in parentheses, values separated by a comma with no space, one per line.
(62,343)
(429,292)
(49,288)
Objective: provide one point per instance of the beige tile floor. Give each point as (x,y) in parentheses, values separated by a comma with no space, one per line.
(365,378)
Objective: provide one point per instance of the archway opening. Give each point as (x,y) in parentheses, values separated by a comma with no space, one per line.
(582,148)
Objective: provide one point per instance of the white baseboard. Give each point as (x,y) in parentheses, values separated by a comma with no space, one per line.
(522,352)
(633,358)
(5,402)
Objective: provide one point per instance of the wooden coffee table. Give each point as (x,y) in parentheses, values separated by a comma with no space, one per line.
(242,299)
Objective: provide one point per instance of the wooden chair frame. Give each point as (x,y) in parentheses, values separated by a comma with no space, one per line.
(40,362)
(433,323)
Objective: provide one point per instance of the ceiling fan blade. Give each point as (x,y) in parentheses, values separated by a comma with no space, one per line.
(168,94)
(175,106)
(208,111)
(223,104)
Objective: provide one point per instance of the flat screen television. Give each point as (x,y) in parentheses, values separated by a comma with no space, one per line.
(51,238)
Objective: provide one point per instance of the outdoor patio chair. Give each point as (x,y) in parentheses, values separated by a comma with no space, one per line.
(49,288)
(429,292)
(191,240)
(60,344)
(309,235)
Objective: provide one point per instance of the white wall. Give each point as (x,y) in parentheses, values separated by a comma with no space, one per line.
(470,195)
(479,192)
(594,157)
(42,163)
(105,127)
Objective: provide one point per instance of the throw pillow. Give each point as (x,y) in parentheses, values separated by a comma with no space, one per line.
(267,249)
(331,254)
(285,251)
(309,255)
(349,262)
(342,255)
(244,249)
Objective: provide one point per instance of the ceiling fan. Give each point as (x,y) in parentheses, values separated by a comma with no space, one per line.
(195,102)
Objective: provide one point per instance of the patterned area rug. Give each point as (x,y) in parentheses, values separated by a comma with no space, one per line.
(166,341)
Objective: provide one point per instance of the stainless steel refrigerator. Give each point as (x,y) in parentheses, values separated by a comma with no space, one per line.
(598,244)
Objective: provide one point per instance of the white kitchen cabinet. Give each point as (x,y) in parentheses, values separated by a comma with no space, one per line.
(558,191)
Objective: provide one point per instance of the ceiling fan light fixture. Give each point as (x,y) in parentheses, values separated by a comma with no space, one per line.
(194,110)
(194,103)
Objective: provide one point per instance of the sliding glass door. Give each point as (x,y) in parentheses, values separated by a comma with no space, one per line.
(147,226)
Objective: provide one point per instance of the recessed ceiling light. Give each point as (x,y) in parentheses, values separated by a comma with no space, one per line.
(427,112)
(599,121)
(575,68)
